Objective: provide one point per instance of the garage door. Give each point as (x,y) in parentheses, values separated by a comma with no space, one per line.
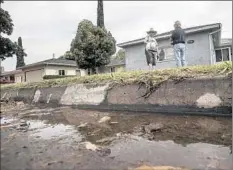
(34,76)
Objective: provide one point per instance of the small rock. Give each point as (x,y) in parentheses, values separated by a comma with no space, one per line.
(104,151)
(20,103)
(20,128)
(153,127)
(106,140)
(138,133)
(104,119)
(23,123)
(119,134)
(82,125)
(25,147)
(113,122)
(50,163)
(91,146)
(223,136)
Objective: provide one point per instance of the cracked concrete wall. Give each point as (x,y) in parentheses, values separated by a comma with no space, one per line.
(188,96)
(206,93)
(80,94)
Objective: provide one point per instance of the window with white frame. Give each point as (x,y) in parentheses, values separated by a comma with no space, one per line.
(223,54)
(166,53)
(112,69)
(61,72)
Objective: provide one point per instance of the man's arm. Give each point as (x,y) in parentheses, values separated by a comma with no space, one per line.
(146,39)
(172,37)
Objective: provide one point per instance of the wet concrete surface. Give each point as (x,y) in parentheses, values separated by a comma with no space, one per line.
(68,138)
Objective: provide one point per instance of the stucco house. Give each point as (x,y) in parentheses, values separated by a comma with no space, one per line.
(36,71)
(203,45)
(115,65)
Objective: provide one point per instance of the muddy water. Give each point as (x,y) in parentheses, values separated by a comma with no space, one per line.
(47,131)
(198,155)
(191,142)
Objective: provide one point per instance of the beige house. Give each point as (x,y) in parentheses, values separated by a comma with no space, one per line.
(114,66)
(36,71)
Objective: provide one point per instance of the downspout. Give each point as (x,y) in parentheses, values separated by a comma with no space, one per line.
(210,36)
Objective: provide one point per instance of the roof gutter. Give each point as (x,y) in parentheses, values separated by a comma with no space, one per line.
(167,35)
(210,37)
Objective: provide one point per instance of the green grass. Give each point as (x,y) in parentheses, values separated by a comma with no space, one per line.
(147,77)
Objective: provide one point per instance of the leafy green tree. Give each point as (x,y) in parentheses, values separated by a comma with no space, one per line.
(68,55)
(20,54)
(100,14)
(92,46)
(7,47)
(120,54)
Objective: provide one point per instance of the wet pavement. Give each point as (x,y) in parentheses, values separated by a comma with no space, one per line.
(69,138)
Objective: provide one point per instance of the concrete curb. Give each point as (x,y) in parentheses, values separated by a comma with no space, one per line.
(204,96)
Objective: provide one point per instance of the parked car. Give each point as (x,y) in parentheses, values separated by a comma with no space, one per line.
(3,81)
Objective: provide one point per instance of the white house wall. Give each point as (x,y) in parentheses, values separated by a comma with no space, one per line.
(19,77)
(198,53)
(34,75)
(54,70)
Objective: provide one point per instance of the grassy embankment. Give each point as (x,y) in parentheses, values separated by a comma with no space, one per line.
(152,79)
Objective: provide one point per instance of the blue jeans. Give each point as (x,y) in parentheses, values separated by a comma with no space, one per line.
(179,53)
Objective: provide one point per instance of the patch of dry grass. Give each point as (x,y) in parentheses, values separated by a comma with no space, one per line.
(149,78)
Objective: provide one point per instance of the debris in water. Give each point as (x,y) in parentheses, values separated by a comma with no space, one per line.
(20,103)
(6,120)
(82,125)
(153,127)
(23,123)
(104,151)
(91,146)
(106,140)
(113,122)
(119,134)
(145,167)
(104,119)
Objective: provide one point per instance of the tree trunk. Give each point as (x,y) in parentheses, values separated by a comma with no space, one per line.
(100,14)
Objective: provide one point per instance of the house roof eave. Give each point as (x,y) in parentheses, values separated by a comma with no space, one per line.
(168,34)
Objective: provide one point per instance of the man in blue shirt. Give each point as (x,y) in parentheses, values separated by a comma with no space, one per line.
(178,42)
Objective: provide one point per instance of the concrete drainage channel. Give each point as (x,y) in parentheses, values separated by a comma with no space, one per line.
(37,136)
(204,96)
(70,138)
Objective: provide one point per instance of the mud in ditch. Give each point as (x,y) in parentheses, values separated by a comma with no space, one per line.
(57,138)
(180,129)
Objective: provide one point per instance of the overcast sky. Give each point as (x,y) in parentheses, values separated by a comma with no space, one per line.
(48,27)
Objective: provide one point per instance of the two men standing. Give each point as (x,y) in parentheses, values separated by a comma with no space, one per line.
(178,42)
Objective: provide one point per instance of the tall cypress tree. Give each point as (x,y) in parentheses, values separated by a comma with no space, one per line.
(100,14)
(20,54)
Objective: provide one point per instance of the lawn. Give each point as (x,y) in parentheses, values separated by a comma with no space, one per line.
(150,78)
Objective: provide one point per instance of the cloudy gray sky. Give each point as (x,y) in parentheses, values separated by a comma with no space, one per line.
(48,27)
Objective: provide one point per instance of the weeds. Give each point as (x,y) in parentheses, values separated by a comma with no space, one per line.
(151,79)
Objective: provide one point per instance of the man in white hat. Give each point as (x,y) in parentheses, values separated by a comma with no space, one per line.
(151,49)
(178,42)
